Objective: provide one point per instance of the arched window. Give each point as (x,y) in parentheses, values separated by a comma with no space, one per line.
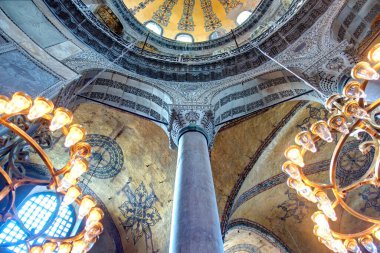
(184,37)
(154,27)
(242,17)
(35,212)
(214,35)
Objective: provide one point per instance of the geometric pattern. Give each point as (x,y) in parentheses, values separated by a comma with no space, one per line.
(229,4)
(163,14)
(107,157)
(186,23)
(211,20)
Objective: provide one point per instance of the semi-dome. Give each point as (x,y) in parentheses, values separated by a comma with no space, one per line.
(191,20)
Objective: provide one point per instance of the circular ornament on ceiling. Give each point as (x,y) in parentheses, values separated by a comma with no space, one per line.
(197,19)
(107,157)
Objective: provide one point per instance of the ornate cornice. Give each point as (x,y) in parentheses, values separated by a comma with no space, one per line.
(190,118)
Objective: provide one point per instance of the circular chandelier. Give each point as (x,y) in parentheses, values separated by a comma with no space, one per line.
(28,123)
(351,115)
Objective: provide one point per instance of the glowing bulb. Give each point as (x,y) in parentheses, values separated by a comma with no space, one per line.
(85,206)
(306,141)
(338,246)
(66,182)
(376,233)
(61,118)
(321,129)
(353,90)
(302,189)
(293,153)
(95,215)
(368,244)
(20,101)
(352,245)
(338,122)
(92,231)
(90,244)
(78,246)
(292,170)
(78,167)
(64,248)
(363,70)
(320,219)
(36,249)
(353,109)
(71,195)
(49,247)
(41,106)
(374,53)
(325,205)
(324,233)
(3,103)
(76,134)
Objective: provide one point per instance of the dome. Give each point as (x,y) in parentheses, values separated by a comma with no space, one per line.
(199,19)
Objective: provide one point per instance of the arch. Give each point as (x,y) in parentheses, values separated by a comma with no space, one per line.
(35,212)
(243,16)
(118,91)
(256,94)
(154,27)
(184,37)
(354,21)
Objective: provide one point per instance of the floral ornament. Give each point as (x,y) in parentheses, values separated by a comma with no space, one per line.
(139,212)
(371,197)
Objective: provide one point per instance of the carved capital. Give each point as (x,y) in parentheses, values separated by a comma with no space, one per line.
(187,118)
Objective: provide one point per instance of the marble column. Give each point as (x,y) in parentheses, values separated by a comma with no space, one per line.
(195,223)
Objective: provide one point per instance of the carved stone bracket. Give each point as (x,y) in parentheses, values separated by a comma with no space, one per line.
(186,118)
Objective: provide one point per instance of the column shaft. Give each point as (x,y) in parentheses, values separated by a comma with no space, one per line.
(195,224)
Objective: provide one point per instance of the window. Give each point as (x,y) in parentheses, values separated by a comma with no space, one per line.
(154,27)
(184,37)
(214,35)
(242,17)
(34,212)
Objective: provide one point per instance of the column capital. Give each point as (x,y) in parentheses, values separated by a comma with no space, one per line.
(191,118)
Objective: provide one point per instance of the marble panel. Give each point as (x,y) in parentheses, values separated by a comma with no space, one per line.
(63,50)
(17,72)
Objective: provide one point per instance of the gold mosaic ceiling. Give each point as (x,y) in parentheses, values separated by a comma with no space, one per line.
(198,18)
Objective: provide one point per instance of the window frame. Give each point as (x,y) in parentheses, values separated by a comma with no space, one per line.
(155,24)
(184,34)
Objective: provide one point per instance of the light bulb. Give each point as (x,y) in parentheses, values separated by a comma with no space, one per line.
(49,247)
(338,246)
(86,204)
(41,106)
(66,182)
(36,249)
(92,231)
(293,153)
(320,219)
(20,101)
(76,133)
(321,129)
(90,244)
(368,244)
(64,248)
(307,193)
(292,170)
(374,53)
(338,122)
(306,141)
(324,204)
(363,70)
(376,234)
(324,233)
(295,184)
(95,215)
(352,245)
(78,167)
(71,195)
(353,109)
(61,118)
(78,246)
(353,90)
(3,103)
